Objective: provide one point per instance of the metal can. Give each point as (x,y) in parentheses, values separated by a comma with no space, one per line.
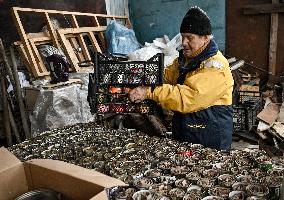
(257,190)
(118,108)
(274,184)
(106,78)
(130,108)
(237,195)
(219,191)
(119,79)
(102,98)
(151,79)
(226,180)
(143,108)
(103,108)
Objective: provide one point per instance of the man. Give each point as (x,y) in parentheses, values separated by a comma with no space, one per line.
(198,87)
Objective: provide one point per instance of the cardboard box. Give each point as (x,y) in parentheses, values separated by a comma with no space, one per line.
(74,182)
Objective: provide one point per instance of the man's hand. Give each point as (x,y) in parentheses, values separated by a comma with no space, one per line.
(138,94)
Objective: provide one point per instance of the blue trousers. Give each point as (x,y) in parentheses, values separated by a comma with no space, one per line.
(211,127)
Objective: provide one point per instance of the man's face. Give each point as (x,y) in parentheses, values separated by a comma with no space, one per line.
(191,43)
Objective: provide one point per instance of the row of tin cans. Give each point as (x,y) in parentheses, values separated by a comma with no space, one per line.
(133,68)
(123,108)
(129,78)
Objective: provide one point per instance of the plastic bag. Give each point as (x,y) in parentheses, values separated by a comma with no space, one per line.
(121,40)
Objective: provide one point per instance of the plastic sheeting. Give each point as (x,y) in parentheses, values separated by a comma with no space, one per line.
(160,45)
(61,107)
(121,40)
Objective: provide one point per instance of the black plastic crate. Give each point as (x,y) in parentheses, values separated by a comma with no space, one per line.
(248,105)
(113,79)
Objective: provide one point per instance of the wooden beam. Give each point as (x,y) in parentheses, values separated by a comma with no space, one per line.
(37,35)
(40,64)
(273,41)
(76,47)
(94,42)
(6,120)
(101,35)
(96,21)
(66,12)
(13,125)
(68,49)
(52,31)
(24,39)
(45,39)
(24,56)
(20,99)
(264,8)
(81,30)
(34,42)
(81,39)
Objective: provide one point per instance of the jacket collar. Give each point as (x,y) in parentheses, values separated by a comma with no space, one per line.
(210,50)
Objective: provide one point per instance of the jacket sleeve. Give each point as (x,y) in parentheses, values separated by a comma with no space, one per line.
(199,91)
(171,73)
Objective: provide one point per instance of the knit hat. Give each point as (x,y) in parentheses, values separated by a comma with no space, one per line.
(196,21)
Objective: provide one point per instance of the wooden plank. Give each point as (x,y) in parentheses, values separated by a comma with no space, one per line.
(273,41)
(263,8)
(66,45)
(76,46)
(13,125)
(24,55)
(94,42)
(52,32)
(7,127)
(81,30)
(34,43)
(101,35)
(96,21)
(70,53)
(65,12)
(37,35)
(45,39)
(81,39)
(102,41)
(18,91)
(24,39)
(40,63)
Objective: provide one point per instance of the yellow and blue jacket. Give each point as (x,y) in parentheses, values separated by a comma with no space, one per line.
(211,84)
(201,99)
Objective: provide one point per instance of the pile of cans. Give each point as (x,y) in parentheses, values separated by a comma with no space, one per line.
(160,168)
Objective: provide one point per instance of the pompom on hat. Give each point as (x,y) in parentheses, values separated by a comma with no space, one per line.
(196,21)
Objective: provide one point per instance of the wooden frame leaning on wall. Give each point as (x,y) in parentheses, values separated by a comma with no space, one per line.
(67,39)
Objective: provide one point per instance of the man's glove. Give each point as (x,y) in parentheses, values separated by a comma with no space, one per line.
(138,94)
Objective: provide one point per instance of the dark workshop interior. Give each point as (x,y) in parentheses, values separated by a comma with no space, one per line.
(141,100)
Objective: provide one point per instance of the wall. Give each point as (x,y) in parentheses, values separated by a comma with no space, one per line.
(248,36)
(8,30)
(155,18)
(117,7)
